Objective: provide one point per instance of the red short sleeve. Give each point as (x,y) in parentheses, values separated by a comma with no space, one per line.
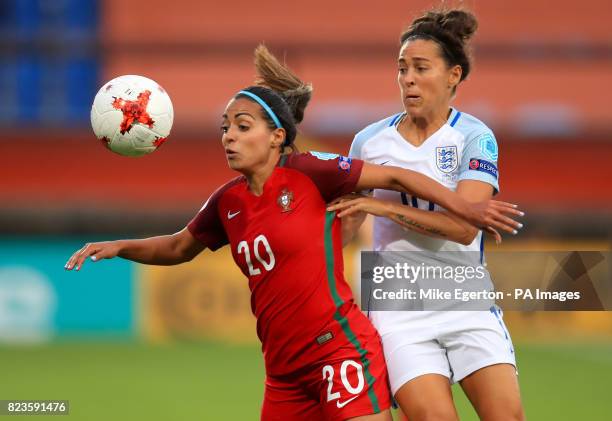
(206,226)
(334,175)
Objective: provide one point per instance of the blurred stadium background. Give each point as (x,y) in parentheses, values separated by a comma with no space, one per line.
(123,341)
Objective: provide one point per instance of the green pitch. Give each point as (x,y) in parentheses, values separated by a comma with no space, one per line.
(206,381)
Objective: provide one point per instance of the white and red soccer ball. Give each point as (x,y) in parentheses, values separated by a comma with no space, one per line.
(132,115)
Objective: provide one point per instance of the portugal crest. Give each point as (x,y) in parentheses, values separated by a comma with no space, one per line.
(284,200)
(446,158)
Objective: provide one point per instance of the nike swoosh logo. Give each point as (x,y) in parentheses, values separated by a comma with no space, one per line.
(343,404)
(230,215)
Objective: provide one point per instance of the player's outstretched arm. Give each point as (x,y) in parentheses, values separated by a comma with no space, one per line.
(437,224)
(488,213)
(162,250)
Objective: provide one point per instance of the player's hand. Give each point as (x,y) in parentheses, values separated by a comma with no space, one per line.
(493,215)
(354,204)
(496,235)
(95,251)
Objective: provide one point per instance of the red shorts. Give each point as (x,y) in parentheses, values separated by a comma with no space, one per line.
(351,382)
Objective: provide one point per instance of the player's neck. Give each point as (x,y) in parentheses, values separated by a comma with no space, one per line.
(416,130)
(256,179)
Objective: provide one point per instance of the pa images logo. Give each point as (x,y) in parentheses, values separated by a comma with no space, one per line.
(447,159)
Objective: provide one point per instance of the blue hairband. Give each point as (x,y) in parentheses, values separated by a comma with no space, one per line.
(264,106)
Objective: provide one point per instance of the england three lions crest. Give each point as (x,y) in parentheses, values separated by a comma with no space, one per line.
(446,158)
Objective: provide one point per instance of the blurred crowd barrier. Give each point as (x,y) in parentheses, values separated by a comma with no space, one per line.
(71,184)
(207,298)
(40,301)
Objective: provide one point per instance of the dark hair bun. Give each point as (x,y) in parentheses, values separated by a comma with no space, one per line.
(460,23)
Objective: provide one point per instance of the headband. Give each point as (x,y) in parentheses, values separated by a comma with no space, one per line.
(264,106)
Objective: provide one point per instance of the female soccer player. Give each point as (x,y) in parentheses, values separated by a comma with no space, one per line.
(424,350)
(323,357)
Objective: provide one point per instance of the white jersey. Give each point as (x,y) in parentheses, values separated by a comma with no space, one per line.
(462,149)
(450,343)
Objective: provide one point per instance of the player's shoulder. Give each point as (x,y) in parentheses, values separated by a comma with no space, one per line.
(468,125)
(372,129)
(240,179)
(224,188)
(305,160)
(476,134)
(317,164)
(367,133)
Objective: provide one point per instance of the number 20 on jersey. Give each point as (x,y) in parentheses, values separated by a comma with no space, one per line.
(265,262)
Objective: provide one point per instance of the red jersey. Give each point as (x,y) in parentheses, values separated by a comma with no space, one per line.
(290,248)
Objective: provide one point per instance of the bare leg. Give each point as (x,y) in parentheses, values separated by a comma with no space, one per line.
(494,393)
(427,398)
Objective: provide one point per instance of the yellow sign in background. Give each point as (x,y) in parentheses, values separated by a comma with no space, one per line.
(209,298)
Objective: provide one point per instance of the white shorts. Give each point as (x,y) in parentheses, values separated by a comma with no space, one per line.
(453,344)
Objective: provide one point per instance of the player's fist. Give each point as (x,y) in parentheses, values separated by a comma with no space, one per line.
(95,251)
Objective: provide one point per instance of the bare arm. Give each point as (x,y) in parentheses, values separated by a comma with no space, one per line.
(433,224)
(162,250)
(483,214)
(438,224)
(443,224)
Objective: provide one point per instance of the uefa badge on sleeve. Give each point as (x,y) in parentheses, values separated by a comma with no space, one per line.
(284,200)
(344,163)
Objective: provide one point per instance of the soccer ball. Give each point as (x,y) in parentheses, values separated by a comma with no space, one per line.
(132,115)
